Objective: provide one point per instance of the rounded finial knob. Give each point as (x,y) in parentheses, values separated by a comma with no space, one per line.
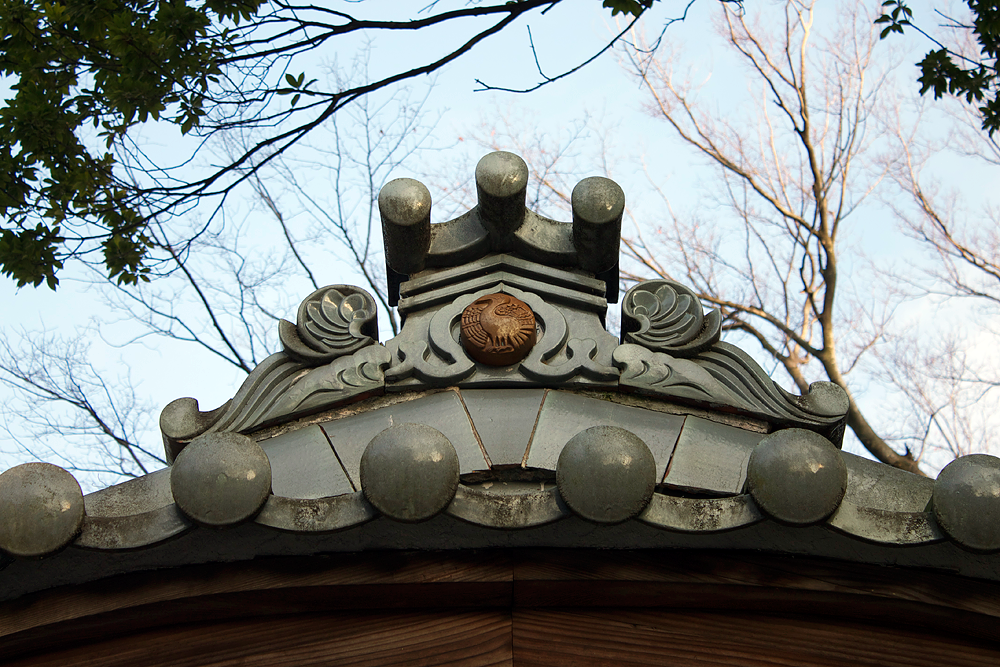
(606,474)
(797,476)
(41,509)
(598,206)
(502,184)
(405,207)
(221,479)
(967,501)
(410,472)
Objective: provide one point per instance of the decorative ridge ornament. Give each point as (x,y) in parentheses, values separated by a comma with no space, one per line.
(331,355)
(500,223)
(278,389)
(498,330)
(572,346)
(503,297)
(332,322)
(670,348)
(665,316)
(502,419)
(726,377)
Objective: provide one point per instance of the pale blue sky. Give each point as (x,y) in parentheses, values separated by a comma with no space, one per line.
(570,33)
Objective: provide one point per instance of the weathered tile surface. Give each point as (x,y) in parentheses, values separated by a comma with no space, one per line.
(303,465)
(504,419)
(878,486)
(442,411)
(565,414)
(135,496)
(711,457)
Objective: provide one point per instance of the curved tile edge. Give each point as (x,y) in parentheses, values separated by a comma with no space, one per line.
(700,515)
(120,533)
(318,515)
(885,526)
(525,510)
(509,512)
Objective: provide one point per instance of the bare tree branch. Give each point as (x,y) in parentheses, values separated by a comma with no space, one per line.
(63,401)
(789,183)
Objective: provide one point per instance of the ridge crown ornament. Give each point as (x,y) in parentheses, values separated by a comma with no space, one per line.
(498,330)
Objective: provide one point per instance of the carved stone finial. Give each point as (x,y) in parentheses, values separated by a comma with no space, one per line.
(500,223)
(333,321)
(598,206)
(501,184)
(405,207)
(498,330)
(665,316)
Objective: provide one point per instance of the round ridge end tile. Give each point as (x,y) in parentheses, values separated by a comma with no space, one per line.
(966,501)
(797,476)
(42,509)
(410,472)
(221,479)
(606,474)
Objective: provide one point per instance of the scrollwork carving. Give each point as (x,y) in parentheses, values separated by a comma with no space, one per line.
(429,350)
(665,316)
(726,377)
(498,330)
(671,348)
(332,322)
(279,388)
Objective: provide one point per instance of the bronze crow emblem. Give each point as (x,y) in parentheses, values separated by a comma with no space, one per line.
(498,330)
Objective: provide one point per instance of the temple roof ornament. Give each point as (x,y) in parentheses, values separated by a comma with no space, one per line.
(498,330)
(503,404)
(450,280)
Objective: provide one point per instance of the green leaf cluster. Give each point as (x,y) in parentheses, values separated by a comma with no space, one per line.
(296,84)
(633,7)
(943,71)
(105,65)
(84,73)
(895,16)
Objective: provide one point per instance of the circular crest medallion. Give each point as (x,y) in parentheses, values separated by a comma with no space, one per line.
(498,330)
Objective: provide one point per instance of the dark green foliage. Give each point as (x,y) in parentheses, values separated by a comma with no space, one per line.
(895,19)
(102,64)
(86,73)
(944,71)
(633,7)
